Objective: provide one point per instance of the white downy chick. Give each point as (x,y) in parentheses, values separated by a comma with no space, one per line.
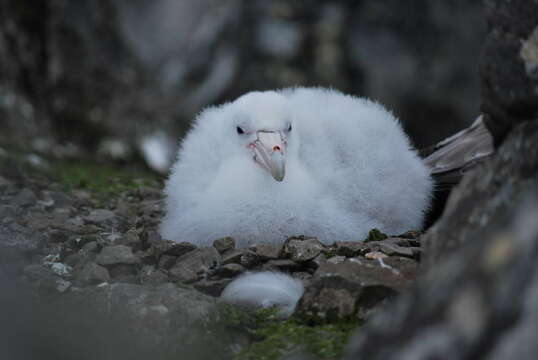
(301,161)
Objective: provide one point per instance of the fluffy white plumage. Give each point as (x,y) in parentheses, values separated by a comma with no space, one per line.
(263,290)
(346,167)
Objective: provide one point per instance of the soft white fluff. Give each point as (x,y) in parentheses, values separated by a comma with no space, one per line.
(349,168)
(265,289)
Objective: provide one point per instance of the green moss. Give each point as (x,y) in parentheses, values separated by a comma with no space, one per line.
(329,253)
(375,235)
(270,338)
(273,338)
(103,181)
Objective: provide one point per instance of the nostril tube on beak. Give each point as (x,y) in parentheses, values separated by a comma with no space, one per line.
(276,148)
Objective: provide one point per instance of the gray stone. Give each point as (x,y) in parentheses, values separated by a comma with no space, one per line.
(192,266)
(233,256)
(224,244)
(340,290)
(145,317)
(92,274)
(168,247)
(508,67)
(151,275)
(125,273)
(285,265)
(250,259)
(58,236)
(167,261)
(116,254)
(391,249)
(5,182)
(7,211)
(21,238)
(58,198)
(212,287)
(302,249)
(350,248)
(482,276)
(485,194)
(24,198)
(228,270)
(267,251)
(130,238)
(91,247)
(100,216)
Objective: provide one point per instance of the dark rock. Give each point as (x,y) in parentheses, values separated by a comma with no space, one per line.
(116,254)
(58,236)
(224,244)
(100,217)
(130,238)
(228,270)
(250,259)
(212,287)
(339,291)
(302,249)
(168,247)
(124,273)
(44,279)
(411,234)
(485,194)
(78,260)
(167,261)
(317,261)
(59,199)
(151,275)
(77,228)
(7,211)
(92,274)
(304,276)
(349,248)
(192,266)
(477,299)
(91,247)
(24,198)
(285,265)
(21,238)
(150,318)
(233,256)
(336,259)
(267,251)
(146,257)
(509,67)
(392,248)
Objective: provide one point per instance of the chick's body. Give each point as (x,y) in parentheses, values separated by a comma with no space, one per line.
(349,168)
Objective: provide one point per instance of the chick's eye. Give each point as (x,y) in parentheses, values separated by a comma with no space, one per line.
(239,130)
(289,128)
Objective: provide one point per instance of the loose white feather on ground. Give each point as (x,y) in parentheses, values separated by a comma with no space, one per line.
(264,290)
(304,161)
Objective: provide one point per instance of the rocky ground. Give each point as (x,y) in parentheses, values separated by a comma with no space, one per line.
(88,239)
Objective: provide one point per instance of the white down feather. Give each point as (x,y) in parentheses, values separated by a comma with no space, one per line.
(349,168)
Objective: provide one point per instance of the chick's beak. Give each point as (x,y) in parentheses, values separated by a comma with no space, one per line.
(269,151)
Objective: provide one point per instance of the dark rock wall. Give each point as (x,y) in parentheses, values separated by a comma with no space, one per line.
(509,66)
(477,297)
(87,71)
(480,302)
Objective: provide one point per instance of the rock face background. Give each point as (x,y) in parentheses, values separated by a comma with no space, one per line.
(477,299)
(117,76)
